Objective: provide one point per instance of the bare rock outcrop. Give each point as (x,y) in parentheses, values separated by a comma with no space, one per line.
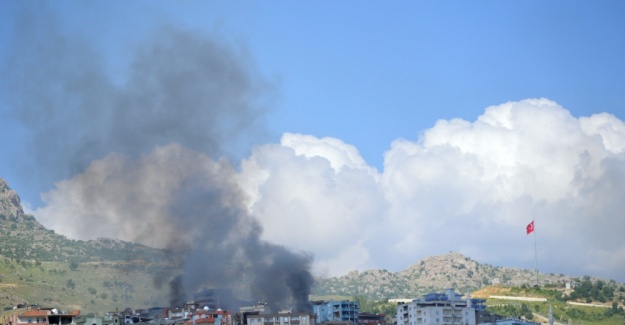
(10,203)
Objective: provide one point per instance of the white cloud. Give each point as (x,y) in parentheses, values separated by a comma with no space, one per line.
(336,152)
(463,186)
(317,195)
(608,128)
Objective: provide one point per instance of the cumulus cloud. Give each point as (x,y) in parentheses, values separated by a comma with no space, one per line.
(468,186)
(476,184)
(316,195)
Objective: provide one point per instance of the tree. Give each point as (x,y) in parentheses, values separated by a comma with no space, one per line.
(608,292)
(92,291)
(363,303)
(70,284)
(73,265)
(525,311)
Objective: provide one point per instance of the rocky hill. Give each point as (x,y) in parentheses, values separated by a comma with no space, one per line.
(23,237)
(434,273)
(42,267)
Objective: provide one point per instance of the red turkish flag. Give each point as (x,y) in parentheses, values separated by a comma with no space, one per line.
(530,227)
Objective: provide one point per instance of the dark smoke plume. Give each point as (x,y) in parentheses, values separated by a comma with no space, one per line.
(146,158)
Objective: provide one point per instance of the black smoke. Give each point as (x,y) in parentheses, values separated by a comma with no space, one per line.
(147,159)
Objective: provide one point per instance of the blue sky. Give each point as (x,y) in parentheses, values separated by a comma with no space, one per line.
(366,74)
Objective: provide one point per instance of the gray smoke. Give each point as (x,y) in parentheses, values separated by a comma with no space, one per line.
(182,87)
(148,156)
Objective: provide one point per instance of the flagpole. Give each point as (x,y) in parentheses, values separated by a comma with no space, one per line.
(535,250)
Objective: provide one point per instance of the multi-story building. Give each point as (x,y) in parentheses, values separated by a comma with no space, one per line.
(282,319)
(47,317)
(440,309)
(240,317)
(205,316)
(336,311)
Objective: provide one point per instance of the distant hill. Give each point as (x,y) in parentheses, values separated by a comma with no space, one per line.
(434,273)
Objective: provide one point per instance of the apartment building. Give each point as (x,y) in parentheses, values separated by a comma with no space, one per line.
(440,309)
(343,311)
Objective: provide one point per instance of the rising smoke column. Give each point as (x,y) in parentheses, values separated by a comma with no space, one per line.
(143,160)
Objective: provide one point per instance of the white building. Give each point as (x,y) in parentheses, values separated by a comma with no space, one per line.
(439,309)
(282,319)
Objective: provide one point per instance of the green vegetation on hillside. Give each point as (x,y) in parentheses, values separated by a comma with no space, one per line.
(585,290)
(591,302)
(90,287)
(25,238)
(562,312)
(376,306)
(598,291)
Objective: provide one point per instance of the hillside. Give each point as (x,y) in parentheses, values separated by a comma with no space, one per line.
(38,266)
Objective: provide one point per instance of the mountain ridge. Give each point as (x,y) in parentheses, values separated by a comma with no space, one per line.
(433,273)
